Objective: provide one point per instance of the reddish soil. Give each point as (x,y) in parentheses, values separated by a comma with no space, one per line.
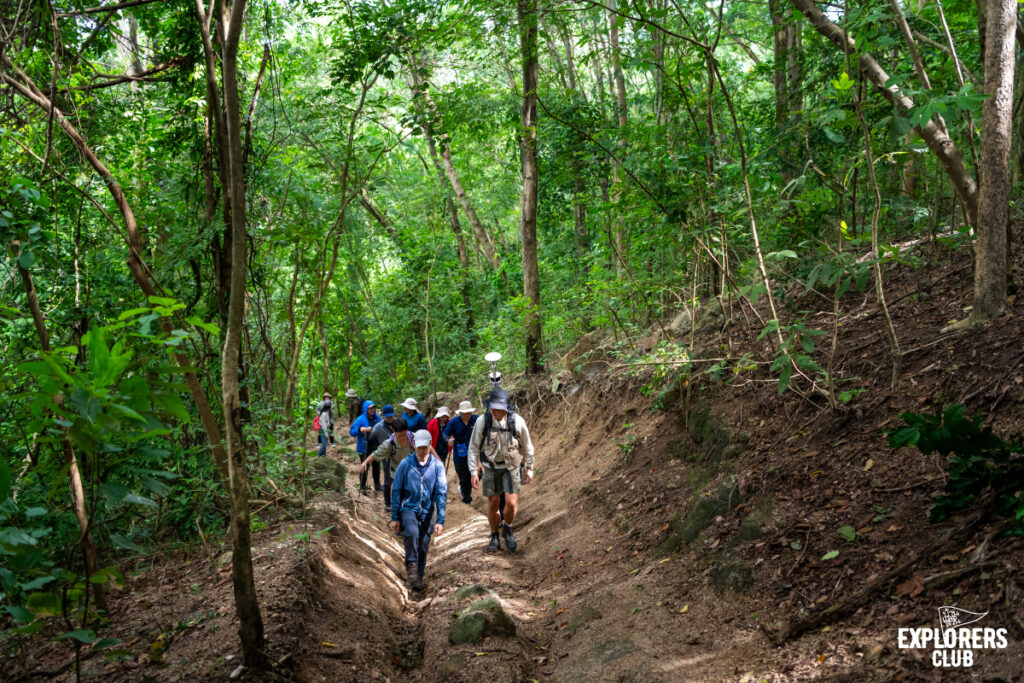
(604,588)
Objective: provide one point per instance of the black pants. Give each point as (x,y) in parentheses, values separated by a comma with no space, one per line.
(375,466)
(465,483)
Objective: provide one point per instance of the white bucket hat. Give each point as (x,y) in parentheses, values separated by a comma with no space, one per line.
(466,407)
(443,410)
(410,403)
(350,393)
(422,438)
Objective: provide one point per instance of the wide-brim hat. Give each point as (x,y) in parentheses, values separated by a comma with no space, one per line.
(443,410)
(499,400)
(410,403)
(388,411)
(351,393)
(466,407)
(422,438)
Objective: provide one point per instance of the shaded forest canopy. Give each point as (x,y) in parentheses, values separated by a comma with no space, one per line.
(212,213)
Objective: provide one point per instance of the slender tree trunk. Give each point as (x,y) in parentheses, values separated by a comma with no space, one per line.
(233,183)
(990,272)
(527,10)
(620,243)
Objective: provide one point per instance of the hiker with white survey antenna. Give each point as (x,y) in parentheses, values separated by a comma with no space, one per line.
(500,459)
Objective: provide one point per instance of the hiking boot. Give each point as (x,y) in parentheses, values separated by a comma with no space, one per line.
(362,491)
(412,575)
(467,500)
(378,487)
(387,508)
(422,583)
(510,540)
(495,544)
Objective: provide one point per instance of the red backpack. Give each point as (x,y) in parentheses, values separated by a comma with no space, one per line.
(316,423)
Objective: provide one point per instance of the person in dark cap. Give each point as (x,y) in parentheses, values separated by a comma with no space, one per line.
(501,460)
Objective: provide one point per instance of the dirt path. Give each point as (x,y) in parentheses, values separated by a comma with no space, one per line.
(589,605)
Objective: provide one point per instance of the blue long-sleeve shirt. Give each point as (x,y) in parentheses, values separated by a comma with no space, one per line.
(420,489)
(461,432)
(416,422)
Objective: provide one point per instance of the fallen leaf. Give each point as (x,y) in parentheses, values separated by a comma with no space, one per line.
(912,587)
(666,527)
(685,609)
(559,612)
(869,464)
(328,644)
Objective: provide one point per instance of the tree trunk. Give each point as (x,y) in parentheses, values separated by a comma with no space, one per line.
(233,182)
(620,245)
(993,202)
(527,10)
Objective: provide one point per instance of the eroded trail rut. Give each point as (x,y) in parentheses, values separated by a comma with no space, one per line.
(590,601)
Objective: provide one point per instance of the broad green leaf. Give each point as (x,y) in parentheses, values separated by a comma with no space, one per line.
(848,533)
(83,636)
(20,614)
(125,544)
(830,555)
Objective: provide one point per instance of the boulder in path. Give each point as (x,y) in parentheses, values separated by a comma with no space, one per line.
(483,618)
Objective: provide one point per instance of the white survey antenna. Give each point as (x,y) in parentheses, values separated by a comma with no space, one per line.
(492,357)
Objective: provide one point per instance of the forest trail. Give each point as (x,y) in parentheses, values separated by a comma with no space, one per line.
(588,603)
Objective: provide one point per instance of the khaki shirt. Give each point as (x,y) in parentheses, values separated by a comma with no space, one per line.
(497,449)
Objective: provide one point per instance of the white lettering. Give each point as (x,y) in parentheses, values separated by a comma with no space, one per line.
(1001,638)
(938,657)
(968,658)
(902,638)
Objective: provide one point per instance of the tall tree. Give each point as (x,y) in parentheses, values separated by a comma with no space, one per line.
(990,267)
(527,10)
(230,23)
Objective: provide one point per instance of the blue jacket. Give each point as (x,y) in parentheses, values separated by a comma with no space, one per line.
(363,421)
(416,422)
(461,432)
(419,491)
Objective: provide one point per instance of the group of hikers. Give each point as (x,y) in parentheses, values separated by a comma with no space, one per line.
(492,452)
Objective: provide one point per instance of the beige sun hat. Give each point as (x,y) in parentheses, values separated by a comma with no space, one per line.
(411,404)
(466,407)
(443,410)
(351,393)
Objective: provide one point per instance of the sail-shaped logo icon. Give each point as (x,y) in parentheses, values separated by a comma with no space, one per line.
(954,617)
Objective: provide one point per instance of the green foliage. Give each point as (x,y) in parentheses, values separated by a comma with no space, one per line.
(982,465)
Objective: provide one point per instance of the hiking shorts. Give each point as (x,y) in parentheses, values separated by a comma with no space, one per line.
(500,480)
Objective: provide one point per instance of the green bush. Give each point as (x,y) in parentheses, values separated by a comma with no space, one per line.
(980,462)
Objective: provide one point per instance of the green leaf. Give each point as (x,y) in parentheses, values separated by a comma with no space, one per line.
(30,629)
(784,377)
(104,643)
(20,614)
(37,583)
(43,604)
(121,542)
(83,636)
(848,533)
(830,555)
(35,512)
(26,259)
(796,545)
(139,500)
(161,301)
